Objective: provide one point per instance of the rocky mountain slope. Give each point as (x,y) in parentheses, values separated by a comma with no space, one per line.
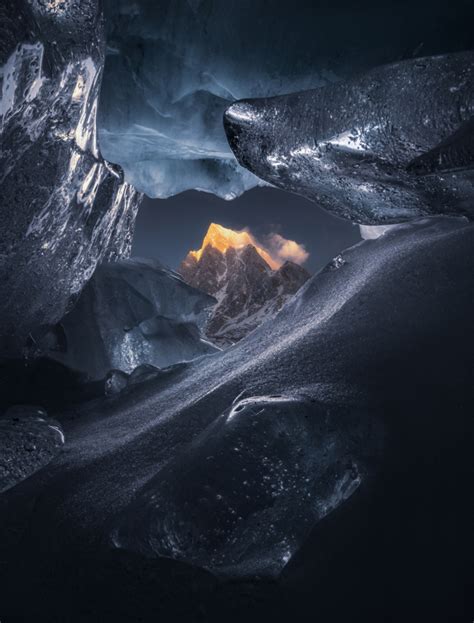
(249,285)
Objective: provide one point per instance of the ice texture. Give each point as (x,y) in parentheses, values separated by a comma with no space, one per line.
(134,312)
(246,493)
(371,232)
(379,354)
(311,407)
(393,144)
(29,440)
(64,208)
(118,381)
(115,382)
(174,66)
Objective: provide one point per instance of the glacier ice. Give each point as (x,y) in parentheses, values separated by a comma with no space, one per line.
(314,406)
(379,355)
(246,493)
(365,149)
(29,440)
(116,381)
(174,66)
(133,312)
(64,208)
(371,232)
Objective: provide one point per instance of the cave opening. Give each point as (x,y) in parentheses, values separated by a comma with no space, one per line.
(254,427)
(251,255)
(167,229)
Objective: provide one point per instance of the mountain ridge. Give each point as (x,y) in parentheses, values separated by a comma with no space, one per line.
(248,289)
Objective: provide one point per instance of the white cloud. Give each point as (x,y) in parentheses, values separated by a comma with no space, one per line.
(282,249)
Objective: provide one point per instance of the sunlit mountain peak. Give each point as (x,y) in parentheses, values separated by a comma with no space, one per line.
(222,238)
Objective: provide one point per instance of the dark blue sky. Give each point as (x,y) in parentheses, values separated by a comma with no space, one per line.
(167,229)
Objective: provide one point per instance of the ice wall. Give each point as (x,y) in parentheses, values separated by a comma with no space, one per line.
(392,144)
(173,66)
(134,312)
(63,207)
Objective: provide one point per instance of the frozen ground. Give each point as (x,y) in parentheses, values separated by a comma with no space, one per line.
(371,362)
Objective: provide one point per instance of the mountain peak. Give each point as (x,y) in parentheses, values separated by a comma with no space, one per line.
(222,239)
(249,285)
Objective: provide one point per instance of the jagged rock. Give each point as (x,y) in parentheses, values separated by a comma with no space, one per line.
(63,207)
(250,287)
(394,144)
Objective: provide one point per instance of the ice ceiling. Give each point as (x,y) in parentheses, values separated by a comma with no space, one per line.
(173,67)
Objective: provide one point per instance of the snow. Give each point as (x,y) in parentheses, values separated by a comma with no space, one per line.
(29,440)
(353,376)
(247,289)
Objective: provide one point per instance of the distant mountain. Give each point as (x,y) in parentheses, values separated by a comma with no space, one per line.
(249,285)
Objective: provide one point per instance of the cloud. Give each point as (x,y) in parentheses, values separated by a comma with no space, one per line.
(282,249)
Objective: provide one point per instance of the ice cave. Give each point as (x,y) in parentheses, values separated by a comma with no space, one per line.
(236,343)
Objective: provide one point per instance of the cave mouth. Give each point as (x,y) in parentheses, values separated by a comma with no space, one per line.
(251,255)
(167,229)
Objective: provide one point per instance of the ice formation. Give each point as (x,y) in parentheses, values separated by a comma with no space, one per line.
(246,493)
(394,144)
(324,400)
(336,399)
(371,232)
(356,397)
(118,381)
(134,312)
(64,208)
(174,66)
(29,440)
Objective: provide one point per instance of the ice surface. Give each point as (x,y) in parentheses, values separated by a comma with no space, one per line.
(174,66)
(63,207)
(350,146)
(246,493)
(375,353)
(134,312)
(359,343)
(117,381)
(29,440)
(371,232)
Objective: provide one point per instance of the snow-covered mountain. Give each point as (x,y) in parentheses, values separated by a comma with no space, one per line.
(249,284)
